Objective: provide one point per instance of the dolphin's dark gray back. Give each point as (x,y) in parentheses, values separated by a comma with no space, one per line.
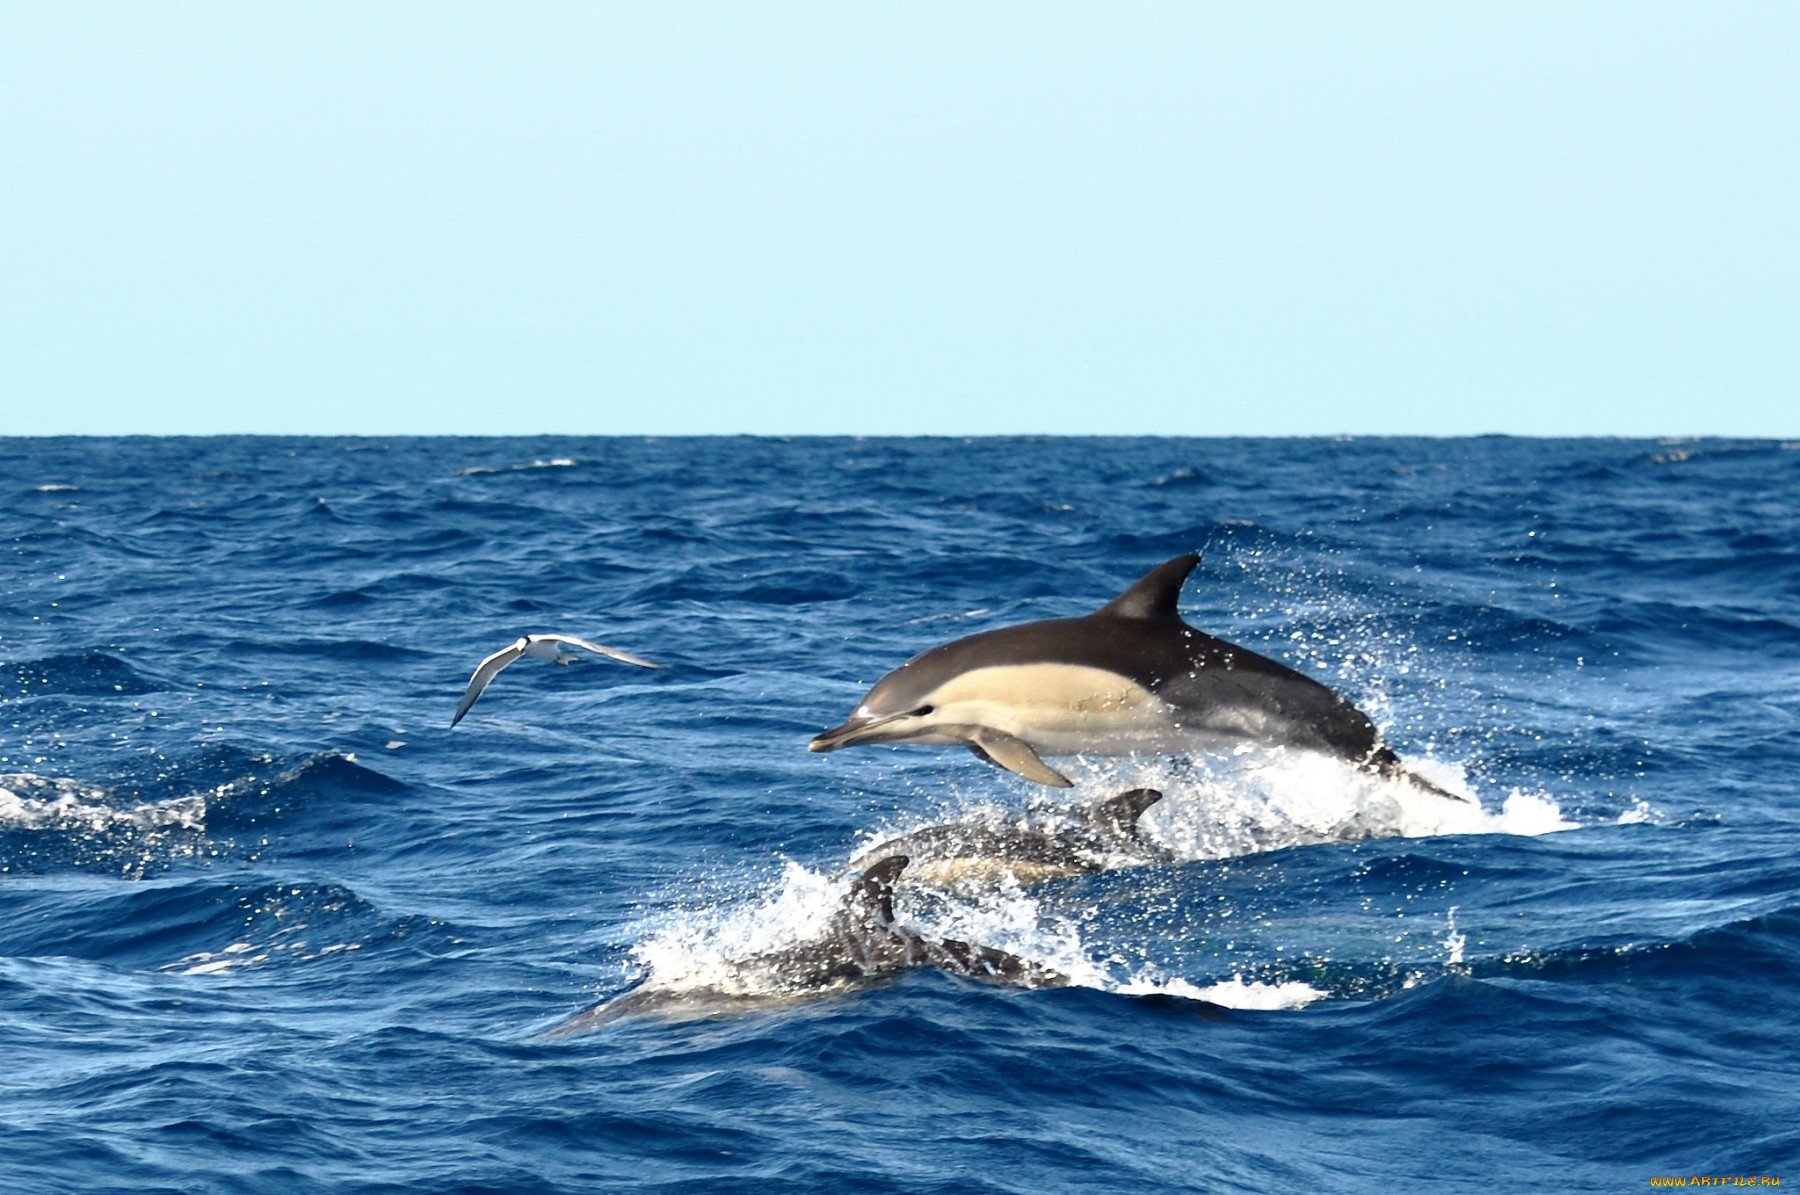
(957,840)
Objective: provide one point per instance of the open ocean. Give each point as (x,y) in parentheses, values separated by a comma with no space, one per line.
(268,924)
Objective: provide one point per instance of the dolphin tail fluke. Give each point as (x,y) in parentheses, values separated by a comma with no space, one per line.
(1015,755)
(1418,781)
(1388,764)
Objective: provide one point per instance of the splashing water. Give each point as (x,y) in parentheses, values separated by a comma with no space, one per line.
(1213,810)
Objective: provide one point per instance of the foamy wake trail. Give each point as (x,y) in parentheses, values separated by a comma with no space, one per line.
(1259,801)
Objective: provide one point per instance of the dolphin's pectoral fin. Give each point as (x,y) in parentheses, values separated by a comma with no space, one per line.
(1015,755)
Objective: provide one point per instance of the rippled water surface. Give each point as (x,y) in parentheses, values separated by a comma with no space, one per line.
(267,923)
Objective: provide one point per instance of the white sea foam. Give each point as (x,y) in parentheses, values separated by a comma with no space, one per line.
(214,962)
(1235,992)
(560,462)
(702,950)
(281,925)
(241,956)
(715,952)
(1454,942)
(1252,802)
(1260,801)
(31,802)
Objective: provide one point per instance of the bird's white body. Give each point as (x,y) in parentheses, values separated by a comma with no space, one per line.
(538,647)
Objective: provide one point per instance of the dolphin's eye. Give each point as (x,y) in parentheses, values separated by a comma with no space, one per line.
(923,710)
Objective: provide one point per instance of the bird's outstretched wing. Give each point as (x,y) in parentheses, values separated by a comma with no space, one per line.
(486,671)
(613,653)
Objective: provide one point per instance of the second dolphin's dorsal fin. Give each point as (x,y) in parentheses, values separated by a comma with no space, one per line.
(1119,815)
(1155,595)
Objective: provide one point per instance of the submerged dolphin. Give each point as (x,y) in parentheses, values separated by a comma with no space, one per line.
(863,945)
(959,854)
(1130,678)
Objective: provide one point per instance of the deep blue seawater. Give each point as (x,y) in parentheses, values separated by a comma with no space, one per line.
(267,924)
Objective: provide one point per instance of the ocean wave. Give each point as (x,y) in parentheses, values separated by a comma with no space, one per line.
(364,650)
(219,923)
(217,804)
(560,462)
(83,674)
(55,822)
(1651,626)
(32,802)
(229,914)
(271,789)
(1765,943)
(284,925)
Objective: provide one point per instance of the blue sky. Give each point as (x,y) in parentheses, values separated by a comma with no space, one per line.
(1185,219)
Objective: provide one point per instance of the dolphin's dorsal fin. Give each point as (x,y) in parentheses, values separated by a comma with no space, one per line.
(1156,594)
(875,889)
(1119,815)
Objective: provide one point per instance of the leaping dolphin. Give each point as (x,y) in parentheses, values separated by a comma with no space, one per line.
(538,647)
(1131,678)
(863,945)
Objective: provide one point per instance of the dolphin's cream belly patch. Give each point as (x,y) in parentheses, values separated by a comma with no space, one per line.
(1061,709)
(976,871)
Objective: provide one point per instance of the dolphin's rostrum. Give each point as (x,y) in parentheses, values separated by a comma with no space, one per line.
(1131,678)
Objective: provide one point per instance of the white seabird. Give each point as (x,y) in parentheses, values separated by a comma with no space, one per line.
(538,647)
